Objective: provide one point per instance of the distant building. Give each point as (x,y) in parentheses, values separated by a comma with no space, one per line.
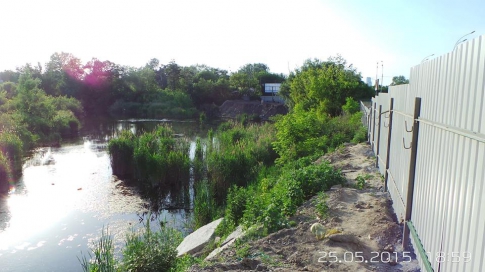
(270,93)
(369,81)
(272,88)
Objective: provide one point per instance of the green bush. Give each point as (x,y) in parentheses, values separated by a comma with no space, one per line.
(321,205)
(351,106)
(66,123)
(360,136)
(302,133)
(276,197)
(315,178)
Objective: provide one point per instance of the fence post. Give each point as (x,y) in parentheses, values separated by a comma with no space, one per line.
(412,171)
(368,125)
(389,133)
(373,124)
(379,113)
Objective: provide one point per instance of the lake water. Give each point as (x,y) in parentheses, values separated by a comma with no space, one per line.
(67,195)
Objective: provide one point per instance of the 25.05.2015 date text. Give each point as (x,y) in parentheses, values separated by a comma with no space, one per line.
(358,257)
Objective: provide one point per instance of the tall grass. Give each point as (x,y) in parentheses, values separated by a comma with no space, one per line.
(152,158)
(151,250)
(145,250)
(5,174)
(11,151)
(205,207)
(237,155)
(121,152)
(102,257)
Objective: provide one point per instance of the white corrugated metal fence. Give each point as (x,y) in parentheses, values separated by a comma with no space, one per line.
(437,191)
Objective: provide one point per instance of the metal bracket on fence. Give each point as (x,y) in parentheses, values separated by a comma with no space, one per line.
(406,125)
(404,145)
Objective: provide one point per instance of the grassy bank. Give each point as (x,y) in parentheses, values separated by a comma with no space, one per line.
(250,174)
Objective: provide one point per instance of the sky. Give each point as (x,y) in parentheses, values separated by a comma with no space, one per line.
(231,33)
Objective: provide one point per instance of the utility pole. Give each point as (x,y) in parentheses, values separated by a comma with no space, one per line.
(382,83)
(377,79)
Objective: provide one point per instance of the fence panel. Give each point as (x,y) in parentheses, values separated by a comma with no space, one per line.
(448,207)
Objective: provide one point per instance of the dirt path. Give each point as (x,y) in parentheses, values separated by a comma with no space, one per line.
(365,236)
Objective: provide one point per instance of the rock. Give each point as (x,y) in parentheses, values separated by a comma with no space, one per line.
(238,233)
(216,251)
(318,230)
(389,248)
(335,187)
(196,241)
(217,239)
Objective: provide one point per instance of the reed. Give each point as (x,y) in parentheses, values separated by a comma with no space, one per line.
(152,158)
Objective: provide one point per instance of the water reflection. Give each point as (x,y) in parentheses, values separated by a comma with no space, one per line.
(67,194)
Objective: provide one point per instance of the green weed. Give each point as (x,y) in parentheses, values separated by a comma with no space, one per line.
(321,205)
(360,182)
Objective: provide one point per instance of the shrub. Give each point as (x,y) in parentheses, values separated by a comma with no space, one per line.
(66,123)
(301,133)
(360,136)
(351,106)
(277,197)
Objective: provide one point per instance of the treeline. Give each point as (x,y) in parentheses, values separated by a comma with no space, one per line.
(41,104)
(154,90)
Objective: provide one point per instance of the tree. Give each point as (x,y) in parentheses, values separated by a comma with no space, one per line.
(324,86)
(249,79)
(63,75)
(9,75)
(172,72)
(399,80)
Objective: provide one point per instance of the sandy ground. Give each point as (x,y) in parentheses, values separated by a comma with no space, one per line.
(368,237)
